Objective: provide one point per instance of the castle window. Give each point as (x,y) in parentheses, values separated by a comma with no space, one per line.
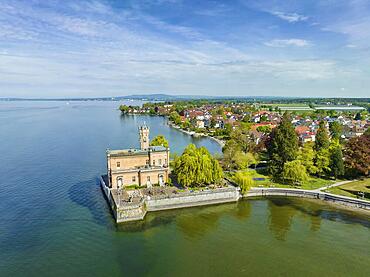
(147,162)
(119,182)
(118,164)
(153,162)
(133,179)
(160,161)
(148,178)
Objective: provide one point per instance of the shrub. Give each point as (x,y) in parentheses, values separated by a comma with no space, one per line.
(244,181)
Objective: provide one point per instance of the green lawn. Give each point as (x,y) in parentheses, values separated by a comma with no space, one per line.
(352,189)
(287,105)
(312,183)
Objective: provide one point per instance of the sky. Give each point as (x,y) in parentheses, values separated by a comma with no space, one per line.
(91,48)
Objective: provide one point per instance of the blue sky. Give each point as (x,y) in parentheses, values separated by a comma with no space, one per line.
(92,48)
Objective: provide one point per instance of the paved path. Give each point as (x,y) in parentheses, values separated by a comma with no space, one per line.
(334,185)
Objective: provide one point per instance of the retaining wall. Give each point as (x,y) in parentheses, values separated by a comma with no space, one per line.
(337,199)
(193,199)
(137,211)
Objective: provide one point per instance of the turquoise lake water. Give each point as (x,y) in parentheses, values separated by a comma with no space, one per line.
(54,220)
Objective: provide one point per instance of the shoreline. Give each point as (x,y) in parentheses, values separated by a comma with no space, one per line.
(334,199)
(194,134)
(137,211)
(190,133)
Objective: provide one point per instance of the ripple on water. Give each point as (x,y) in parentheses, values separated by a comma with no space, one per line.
(54,217)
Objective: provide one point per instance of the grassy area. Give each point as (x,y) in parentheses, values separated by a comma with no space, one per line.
(261,179)
(353,189)
(286,105)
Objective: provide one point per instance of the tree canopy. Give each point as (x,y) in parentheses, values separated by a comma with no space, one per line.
(196,167)
(335,129)
(244,181)
(306,156)
(282,147)
(322,138)
(159,140)
(175,118)
(357,155)
(336,160)
(294,172)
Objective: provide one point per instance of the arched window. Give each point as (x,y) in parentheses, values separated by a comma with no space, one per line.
(119,182)
(161,179)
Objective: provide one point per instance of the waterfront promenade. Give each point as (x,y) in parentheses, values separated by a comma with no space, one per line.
(132,205)
(314,194)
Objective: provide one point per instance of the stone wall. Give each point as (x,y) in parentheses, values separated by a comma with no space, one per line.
(337,199)
(137,211)
(130,212)
(184,200)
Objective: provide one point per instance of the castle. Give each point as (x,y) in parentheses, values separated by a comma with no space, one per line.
(148,165)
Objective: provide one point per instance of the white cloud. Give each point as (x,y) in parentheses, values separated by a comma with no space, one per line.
(290,17)
(106,52)
(288,42)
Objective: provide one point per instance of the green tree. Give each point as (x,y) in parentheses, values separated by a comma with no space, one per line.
(358,116)
(175,118)
(282,147)
(243,160)
(228,128)
(322,138)
(229,152)
(322,161)
(294,172)
(242,137)
(159,140)
(196,167)
(244,181)
(335,129)
(264,129)
(124,109)
(336,160)
(367,132)
(306,156)
(186,124)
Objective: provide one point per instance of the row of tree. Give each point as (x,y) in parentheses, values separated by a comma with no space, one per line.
(291,164)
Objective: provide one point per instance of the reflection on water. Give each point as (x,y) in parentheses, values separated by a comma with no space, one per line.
(54,217)
(283,210)
(192,222)
(280,218)
(198,221)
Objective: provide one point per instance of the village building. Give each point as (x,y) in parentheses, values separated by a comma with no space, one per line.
(146,166)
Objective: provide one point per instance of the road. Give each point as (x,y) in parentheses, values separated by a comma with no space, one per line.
(334,185)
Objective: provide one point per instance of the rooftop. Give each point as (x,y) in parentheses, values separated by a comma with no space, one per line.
(135,151)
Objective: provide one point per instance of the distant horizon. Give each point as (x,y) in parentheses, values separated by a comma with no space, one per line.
(109,48)
(178,97)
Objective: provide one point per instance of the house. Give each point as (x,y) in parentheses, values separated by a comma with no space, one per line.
(148,165)
(199,124)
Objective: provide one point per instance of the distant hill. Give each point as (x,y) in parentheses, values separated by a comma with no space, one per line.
(169,97)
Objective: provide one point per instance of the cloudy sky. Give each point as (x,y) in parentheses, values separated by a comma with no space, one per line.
(86,48)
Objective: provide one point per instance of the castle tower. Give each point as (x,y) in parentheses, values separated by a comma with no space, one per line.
(144,137)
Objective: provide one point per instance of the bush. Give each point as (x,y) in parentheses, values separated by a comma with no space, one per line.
(244,181)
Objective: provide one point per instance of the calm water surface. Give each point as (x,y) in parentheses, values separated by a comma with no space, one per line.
(55,221)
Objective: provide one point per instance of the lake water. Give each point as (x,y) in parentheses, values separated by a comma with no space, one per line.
(55,221)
